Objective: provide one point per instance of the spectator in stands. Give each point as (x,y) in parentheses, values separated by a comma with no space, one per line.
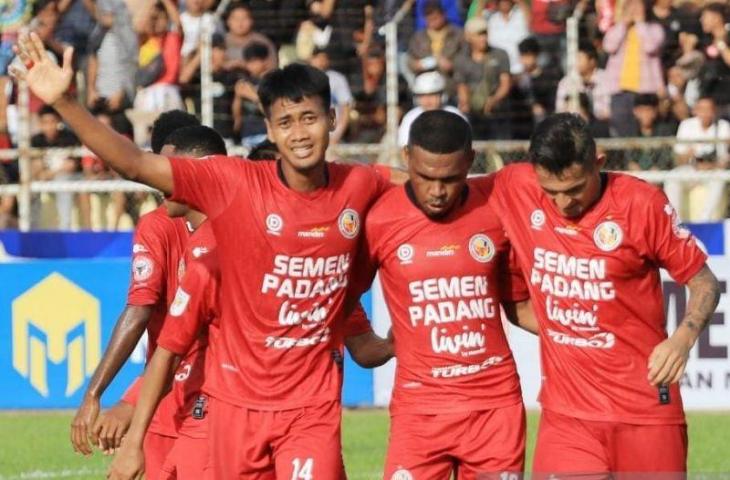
(341,94)
(191,21)
(114,56)
(75,26)
(481,73)
(591,80)
(598,128)
(428,94)
(55,166)
(715,73)
(369,92)
(316,31)
(533,93)
(508,26)
(648,124)
(710,154)
(689,65)
(224,84)
(93,214)
(240,33)
(547,24)
(8,168)
(248,119)
(451,9)
(159,60)
(634,65)
(435,47)
(666,15)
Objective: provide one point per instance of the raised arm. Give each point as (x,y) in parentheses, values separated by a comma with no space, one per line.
(669,359)
(127,333)
(50,83)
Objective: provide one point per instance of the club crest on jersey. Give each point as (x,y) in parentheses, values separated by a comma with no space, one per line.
(401,474)
(537,219)
(179,303)
(142,268)
(274,224)
(608,236)
(349,223)
(405,253)
(481,248)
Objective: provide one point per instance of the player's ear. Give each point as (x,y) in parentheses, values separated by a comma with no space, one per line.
(600,161)
(405,156)
(269,134)
(471,154)
(332,119)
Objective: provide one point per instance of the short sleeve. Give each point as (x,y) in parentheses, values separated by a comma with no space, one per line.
(357,323)
(132,394)
(149,281)
(671,245)
(503,63)
(189,312)
(208,184)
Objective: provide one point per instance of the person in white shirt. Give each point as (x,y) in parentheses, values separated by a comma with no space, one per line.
(428,94)
(508,26)
(709,153)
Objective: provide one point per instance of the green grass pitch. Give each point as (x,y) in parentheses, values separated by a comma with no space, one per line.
(35,445)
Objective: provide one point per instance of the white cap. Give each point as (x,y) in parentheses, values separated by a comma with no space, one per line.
(428,83)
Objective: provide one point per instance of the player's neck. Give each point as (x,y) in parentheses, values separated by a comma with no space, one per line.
(303,181)
(195,218)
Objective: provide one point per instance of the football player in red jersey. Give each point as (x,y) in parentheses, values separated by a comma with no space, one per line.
(157,243)
(591,245)
(288,233)
(444,265)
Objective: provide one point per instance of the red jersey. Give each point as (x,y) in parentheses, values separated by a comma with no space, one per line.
(285,259)
(191,321)
(443,282)
(595,287)
(159,242)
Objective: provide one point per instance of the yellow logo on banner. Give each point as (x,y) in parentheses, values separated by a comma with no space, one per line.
(57,308)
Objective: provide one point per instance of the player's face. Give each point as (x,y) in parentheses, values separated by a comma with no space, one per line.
(174,209)
(437,179)
(300,131)
(574,190)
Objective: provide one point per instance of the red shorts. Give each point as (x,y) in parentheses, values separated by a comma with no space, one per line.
(570,445)
(187,459)
(302,443)
(156,449)
(473,444)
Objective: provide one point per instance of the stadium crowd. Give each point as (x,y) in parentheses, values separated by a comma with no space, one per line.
(646,69)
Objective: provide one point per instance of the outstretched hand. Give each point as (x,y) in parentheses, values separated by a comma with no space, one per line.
(46,80)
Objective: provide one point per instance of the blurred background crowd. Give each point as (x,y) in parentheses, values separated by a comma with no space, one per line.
(645,68)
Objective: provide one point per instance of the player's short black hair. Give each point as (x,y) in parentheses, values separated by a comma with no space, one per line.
(255,51)
(167,123)
(265,150)
(439,131)
(197,141)
(294,82)
(560,141)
